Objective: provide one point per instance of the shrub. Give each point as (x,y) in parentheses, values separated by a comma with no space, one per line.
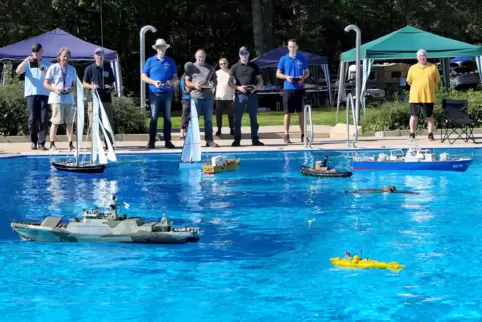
(128,116)
(396,115)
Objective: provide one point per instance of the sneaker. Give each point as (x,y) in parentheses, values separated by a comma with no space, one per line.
(33,146)
(303,139)
(218,133)
(52,147)
(236,143)
(211,144)
(430,137)
(287,139)
(258,143)
(412,136)
(151,145)
(42,147)
(169,145)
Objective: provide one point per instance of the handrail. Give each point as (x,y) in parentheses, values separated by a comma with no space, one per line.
(307,143)
(350,105)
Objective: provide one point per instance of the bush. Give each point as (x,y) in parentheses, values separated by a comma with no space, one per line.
(396,115)
(128,116)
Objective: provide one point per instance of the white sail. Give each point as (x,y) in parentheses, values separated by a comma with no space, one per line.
(80,115)
(105,120)
(98,153)
(191,151)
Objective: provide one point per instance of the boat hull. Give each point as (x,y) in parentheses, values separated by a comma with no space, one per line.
(81,168)
(308,171)
(454,165)
(365,264)
(46,234)
(209,169)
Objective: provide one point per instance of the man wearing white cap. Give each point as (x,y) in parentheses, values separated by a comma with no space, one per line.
(161,74)
(100,77)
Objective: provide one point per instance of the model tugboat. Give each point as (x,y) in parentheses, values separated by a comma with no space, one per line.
(358,262)
(220,164)
(322,169)
(414,159)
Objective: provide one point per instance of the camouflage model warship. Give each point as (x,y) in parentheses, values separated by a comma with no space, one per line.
(97,226)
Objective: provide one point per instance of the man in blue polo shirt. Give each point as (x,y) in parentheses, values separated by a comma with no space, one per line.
(293,69)
(161,75)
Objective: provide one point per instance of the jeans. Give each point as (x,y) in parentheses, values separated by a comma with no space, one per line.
(251,102)
(206,105)
(38,109)
(160,103)
(186,111)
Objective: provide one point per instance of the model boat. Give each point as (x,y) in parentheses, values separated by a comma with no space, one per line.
(322,169)
(98,226)
(360,263)
(221,164)
(414,159)
(98,157)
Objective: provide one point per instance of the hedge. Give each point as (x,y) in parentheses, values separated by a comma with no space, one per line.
(128,116)
(395,115)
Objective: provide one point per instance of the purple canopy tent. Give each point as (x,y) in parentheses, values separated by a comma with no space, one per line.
(272,57)
(52,41)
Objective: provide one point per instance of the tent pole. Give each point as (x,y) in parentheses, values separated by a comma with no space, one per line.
(142,36)
(357,73)
(341,88)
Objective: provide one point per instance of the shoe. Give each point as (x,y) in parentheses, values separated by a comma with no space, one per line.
(211,144)
(303,139)
(412,136)
(33,146)
(287,139)
(52,147)
(151,145)
(169,145)
(183,138)
(236,143)
(218,133)
(41,147)
(258,143)
(430,137)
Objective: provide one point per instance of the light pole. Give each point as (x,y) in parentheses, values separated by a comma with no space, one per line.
(357,73)
(142,36)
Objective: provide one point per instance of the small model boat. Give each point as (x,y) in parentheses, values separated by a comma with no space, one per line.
(387,189)
(414,159)
(221,164)
(97,226)
(359,263)
(323,170)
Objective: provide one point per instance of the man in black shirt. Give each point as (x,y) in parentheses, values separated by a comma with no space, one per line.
(248,80)
(99,76)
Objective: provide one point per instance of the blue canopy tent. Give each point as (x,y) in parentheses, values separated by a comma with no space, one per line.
(461,59)
(272,57)
(52,41)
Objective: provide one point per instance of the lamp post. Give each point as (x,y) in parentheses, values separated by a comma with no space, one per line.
(142,36)
(357,73)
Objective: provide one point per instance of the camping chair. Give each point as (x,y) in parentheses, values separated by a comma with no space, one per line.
(456,120)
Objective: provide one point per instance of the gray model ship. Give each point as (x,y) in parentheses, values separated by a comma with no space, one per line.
(96,226)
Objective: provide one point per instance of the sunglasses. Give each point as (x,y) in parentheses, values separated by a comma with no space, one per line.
(244,53)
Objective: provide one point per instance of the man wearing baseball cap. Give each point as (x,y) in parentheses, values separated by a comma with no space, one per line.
(35,69)
(245,79)
(100,77)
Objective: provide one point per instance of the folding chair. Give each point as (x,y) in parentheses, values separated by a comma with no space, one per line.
(456,120)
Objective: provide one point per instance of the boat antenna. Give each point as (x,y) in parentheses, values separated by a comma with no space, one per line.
(102,44)
(361,253)
(214,68)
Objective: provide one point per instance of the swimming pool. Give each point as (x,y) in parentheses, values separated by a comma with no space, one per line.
(259,257)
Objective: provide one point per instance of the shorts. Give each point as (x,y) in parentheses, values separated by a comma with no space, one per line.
(108,110)
(416,107)
(62,114)
(293,100)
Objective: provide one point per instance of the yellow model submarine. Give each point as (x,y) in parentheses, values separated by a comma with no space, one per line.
(220,164)
(359,263)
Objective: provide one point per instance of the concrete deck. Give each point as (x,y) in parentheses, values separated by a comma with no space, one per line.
(272,136)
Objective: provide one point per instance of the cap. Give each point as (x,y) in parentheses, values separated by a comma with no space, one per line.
(36,48)
(98,50)
(243,51)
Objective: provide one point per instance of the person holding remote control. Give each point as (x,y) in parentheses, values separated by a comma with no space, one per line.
(35,69)
(60,80)
(293,69)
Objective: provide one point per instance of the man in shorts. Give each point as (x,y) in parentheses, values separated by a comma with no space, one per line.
(293,69)
(423,78)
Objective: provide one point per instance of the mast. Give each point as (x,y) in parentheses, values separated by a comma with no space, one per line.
(77,141)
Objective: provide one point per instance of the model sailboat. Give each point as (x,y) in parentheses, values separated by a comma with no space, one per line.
(191,151)
(98,158)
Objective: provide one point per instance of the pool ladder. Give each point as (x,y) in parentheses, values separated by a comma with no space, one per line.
(307,111)
(350,106)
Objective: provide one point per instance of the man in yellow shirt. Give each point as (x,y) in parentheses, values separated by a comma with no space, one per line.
(422,78)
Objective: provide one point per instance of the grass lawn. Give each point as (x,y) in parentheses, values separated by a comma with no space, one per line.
(325,116)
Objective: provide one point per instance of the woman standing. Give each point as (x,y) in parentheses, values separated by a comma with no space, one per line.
(61,79)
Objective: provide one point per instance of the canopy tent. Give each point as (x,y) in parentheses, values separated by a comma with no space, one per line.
(52,41)
(272,57)
(403,44)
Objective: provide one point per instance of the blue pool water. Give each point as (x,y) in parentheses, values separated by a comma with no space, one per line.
(258,258)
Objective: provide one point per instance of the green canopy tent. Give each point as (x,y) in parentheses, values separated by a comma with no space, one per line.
(404,44)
